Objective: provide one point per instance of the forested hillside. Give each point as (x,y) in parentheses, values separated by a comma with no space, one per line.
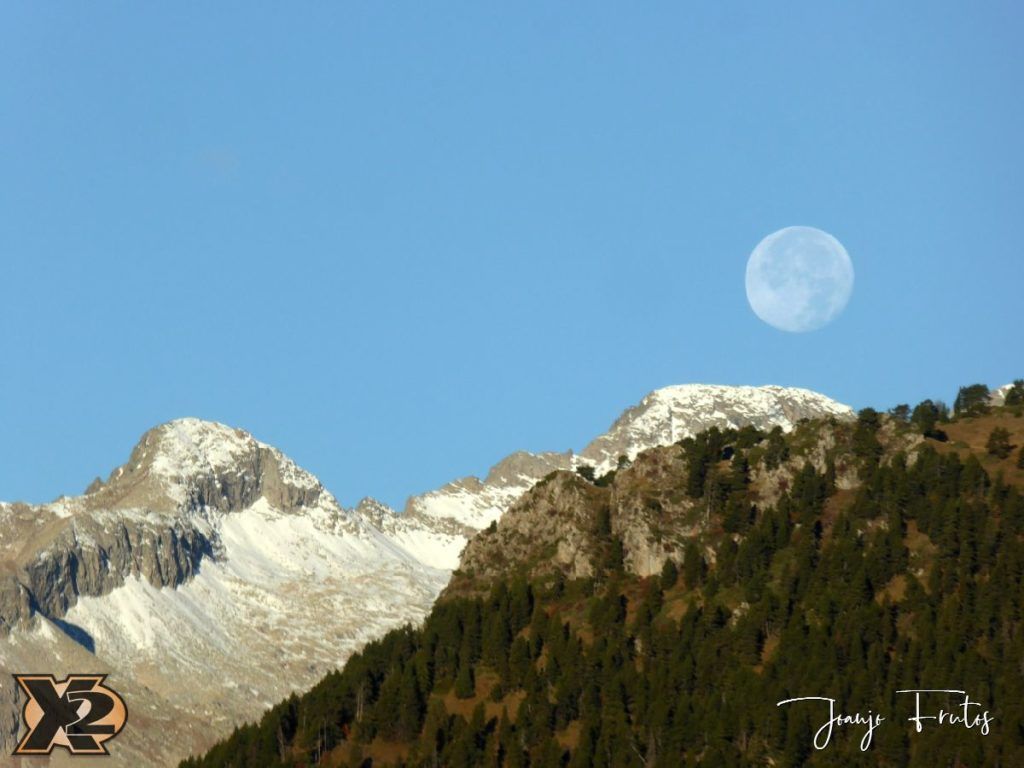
(848,560)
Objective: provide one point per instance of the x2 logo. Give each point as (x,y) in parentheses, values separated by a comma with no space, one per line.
(78,713)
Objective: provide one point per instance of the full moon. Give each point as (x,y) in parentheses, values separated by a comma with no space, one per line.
(799,279)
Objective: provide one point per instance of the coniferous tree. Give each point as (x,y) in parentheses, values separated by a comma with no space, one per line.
(777,450)
(1015,395)
(900,413)
(693,565)
(411,707)
(865,442)
(927,416)
(669,575)
(998,444)
(465,684)
(971,400)
(909,577)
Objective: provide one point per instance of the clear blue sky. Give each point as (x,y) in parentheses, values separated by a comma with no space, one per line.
(402,240)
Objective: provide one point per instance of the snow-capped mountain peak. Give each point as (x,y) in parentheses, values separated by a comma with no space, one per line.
(212,556)
(208,556)
(662,417)
(189,464)
(667,415)
(189,447)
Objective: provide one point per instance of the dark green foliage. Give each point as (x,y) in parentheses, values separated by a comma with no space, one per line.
(865,442)
(1015,395)
(669,575)
(776,450)
(811,598)
(609,546)
(747,437)
(586,472)
(465,681)
(998,444)
(1020,458)
(927,416)
(900,413)
(702,452)
(693,566)
(971,400)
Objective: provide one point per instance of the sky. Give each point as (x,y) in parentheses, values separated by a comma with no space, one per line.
(401,240)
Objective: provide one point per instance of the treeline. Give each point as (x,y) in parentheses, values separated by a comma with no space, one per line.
(912,580)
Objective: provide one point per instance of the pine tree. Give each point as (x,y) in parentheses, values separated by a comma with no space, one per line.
(465,683)
(865,442)
(971,400)
(693,565)
(669,575)
(777,451)
(998,444)
(652,687)
(436,731)
(900,412)
(410,705)
(1015,395)
(926,417)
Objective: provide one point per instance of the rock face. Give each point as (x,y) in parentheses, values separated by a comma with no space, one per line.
(550,527)
(567,524)
(556,526)
(663,417)
(92,559)
(150,519)
(208,576)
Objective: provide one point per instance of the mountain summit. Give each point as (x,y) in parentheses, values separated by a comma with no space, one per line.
(667,613)
(663,417)
(211,557)
(194,463)
(667,415)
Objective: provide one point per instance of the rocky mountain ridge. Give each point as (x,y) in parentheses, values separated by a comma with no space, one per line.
(151,518)
(654,615)
(211,557)
(185,565)
(646,507)
(661,418)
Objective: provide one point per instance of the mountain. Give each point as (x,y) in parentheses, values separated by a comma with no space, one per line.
(663,417)
(210,576)
(658,615)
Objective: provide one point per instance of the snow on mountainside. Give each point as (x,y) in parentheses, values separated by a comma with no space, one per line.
(210,575)
(668,415)
(435,542)
(662,417)
(475,503)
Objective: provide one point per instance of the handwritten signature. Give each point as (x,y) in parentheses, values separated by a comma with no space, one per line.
(966,714)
